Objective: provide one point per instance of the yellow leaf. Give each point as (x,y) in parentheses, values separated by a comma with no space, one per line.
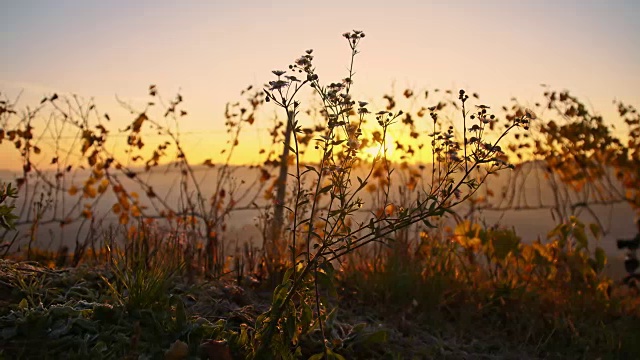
(90,192)
(389,209)
(135,211)
(23,304)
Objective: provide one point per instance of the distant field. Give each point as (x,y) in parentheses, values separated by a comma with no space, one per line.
(529,224)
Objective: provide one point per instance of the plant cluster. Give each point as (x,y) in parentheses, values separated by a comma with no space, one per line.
(323,213)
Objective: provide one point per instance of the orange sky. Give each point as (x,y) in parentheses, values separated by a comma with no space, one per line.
(209,52)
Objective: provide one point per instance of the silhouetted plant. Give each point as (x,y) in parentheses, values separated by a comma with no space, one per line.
(280,328)
(55,197)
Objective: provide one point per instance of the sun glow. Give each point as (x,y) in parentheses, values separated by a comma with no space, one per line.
(377,149)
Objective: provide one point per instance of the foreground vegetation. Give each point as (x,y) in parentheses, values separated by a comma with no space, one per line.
(424,307)
(417,275)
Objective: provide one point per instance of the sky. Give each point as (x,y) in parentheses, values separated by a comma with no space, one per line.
(210,50)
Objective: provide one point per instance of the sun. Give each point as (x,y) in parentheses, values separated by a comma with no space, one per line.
(370,152)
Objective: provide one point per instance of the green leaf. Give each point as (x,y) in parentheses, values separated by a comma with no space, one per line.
(504,242)
(601,259)
(595,230)
(288,273)
(181,314)
(23,304)
(328,268)
(332,355)
(580,236)
(306,318)
(334,212)
(428,224)
(290,322)
(377,337)
(280,293)
(323,279)
(357,328)
(330,318)
(311,168)
(100,347)
(326,189)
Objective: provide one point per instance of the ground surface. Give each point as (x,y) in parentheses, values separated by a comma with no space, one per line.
(73,313)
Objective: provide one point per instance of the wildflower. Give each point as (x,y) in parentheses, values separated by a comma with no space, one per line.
(363,111)
(304,61)
(530,114)
(353,143)
(277,85)
(453,156)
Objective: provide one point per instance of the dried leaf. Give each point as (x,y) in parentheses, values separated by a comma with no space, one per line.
(178,350)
